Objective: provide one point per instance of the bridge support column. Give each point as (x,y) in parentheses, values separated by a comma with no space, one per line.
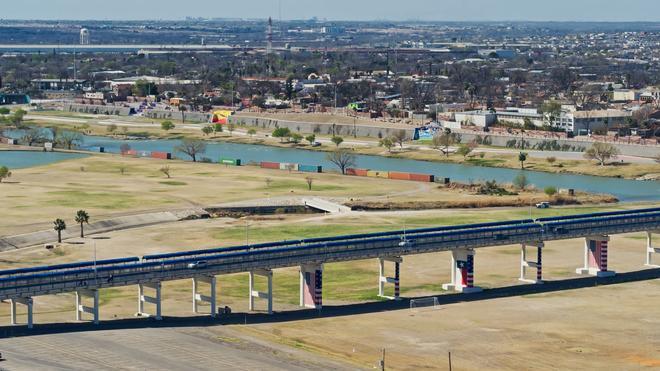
(259,294)
(383,279)
(197,297)
(29,303)
(80,308)
(311,286)
(650,250)
(538,264)
(462,272)
(595,257)
(142,299)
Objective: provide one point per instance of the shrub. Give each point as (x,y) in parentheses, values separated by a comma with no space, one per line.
(520,181)
(550,191)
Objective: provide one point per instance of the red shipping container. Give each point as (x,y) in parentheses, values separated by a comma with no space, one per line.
(161,155)
(422,178)
(361,172)
(270,165)
(350,171)
(399,176)
(130,152)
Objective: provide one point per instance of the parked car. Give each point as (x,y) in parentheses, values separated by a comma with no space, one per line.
(316,144)
(543,205)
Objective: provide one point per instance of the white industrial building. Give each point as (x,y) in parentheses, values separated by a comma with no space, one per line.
(585,122)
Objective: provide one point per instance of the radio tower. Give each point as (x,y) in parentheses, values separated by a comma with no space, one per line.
(269,47)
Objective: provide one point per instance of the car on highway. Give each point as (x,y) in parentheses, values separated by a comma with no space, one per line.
(197,265)
(543,205)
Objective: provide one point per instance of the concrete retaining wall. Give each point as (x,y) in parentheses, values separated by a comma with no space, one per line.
(97,109)
(347,130)
(178,116)
(343,130)
(579,145)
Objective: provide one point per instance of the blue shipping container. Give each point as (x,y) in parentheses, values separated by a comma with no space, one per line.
(310,169)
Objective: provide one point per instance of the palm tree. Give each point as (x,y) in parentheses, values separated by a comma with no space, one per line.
(81,218)
(59,226)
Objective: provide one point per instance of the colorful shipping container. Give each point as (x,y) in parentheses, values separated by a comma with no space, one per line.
(310,169)
(270,165)
(230,161)
(161,155)
(288,166)
(378,174)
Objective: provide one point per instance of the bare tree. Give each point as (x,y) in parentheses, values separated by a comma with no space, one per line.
(399,137)
(165,170)
(601,152)
(192,147)
(342,158)
(444,139)
(69,139)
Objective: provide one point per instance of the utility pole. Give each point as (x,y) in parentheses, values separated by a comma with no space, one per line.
(382,361)
(449,361)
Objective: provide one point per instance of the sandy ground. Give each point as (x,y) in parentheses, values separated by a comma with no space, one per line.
(155,349)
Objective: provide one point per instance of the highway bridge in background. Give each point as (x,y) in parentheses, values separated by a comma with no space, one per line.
(85,279)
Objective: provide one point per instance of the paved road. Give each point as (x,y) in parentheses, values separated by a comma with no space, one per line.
(154,349)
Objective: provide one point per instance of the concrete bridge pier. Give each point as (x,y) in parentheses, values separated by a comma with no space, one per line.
(462,272)
(29,303)
(311,286)
(259,294)
(197,297)
(80,308)
(383,279)
(595,257)
(650,250)
(156,300)
(538,264)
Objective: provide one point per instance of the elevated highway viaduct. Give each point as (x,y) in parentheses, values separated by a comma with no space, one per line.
(85,279)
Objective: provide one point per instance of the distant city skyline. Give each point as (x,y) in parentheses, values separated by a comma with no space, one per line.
(424,10)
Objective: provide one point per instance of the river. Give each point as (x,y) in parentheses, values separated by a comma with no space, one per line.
(625,190)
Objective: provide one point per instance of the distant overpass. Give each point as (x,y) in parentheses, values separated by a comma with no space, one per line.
(148,272)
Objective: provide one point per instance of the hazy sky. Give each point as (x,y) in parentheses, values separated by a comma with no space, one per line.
(440,10)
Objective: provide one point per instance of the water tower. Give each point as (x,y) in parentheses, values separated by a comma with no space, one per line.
(84,36)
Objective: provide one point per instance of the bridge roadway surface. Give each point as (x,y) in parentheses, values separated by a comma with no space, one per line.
(47,280)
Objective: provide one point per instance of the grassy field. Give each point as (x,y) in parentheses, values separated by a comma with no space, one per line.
(110,185)
(107,185)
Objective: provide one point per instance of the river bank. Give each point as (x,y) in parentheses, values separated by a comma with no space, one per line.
(482,156)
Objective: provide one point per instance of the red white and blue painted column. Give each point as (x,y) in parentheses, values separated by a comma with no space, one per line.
(397,288)
(462,272)
(384,279)
(527,264)
(596,255)
(311,286)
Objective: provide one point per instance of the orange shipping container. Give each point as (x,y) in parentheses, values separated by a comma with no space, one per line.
(399,176)
(422,178)
(361,172)
(161,155)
